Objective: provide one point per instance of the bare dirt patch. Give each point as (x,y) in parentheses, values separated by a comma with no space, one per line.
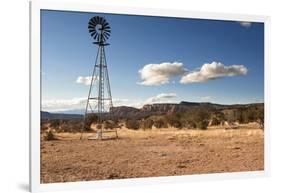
(156,152)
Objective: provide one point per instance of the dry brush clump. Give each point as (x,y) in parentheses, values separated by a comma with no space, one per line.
(245,114)
(198,118)
(147,123)
(77,125)
(49,136)
(111,124)
(55,124)
(160,123)
(89,120)
(201,118)
(175,120)
(72,126)
(132,124)
(193,119)
(63,125)
(44,125)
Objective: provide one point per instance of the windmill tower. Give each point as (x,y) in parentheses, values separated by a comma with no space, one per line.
(99,100)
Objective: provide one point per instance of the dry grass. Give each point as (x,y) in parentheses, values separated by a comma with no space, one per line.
(156,152)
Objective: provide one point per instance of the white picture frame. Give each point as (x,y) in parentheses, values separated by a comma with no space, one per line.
(35,96)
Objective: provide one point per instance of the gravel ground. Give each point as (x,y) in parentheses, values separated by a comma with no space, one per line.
(164,152)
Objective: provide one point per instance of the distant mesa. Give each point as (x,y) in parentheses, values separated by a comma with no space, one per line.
(152,109)
(171,108)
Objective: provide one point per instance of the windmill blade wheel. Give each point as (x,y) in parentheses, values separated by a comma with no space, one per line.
(99,28)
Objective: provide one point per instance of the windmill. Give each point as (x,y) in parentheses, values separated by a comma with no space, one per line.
(99,100)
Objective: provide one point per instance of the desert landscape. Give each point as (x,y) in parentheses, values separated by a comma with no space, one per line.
(162,96)
(154,151)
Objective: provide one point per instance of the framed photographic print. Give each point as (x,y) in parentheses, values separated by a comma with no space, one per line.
(123,96)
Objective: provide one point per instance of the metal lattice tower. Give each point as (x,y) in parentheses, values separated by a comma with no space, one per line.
(99,100)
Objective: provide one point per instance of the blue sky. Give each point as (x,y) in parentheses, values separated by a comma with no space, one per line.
(152,59)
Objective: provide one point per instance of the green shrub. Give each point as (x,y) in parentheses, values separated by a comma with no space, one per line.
(244,114)
(147,123)
(109,124)
(190,125)
(220,116)
(215,121)
(160,123)
(132,124)
(198,117)
(89,119)
(174,121)
(202,124)
(74,126)
(260,119)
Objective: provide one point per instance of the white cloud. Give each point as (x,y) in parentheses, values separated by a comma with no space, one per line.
(213,71)
(157,74)
(128,102)
(86,80)
(162,98)
(60,105)
(138,103)
(245,24)
(206,98)
(63,104)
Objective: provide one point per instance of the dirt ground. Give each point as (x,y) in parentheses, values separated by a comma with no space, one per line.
(156,152)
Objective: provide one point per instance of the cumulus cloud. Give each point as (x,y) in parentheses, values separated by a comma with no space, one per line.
(206,98)
(56,105)
(138,103)
(86,80)
(127,102)
(158,74)
(61,105)
(162,98)
(211,71)
(245,24)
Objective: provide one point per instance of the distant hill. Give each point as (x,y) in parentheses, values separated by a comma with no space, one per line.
(154,109)
(47,115)
(170,108)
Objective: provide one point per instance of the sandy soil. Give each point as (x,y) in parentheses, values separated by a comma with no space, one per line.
(165,152)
